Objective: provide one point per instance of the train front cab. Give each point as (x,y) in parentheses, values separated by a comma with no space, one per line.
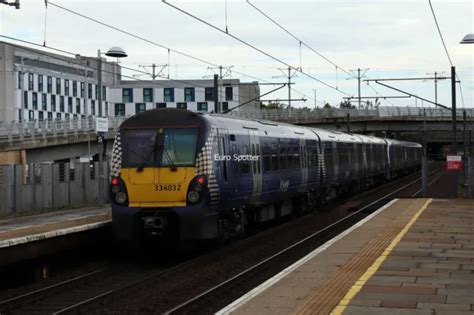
(159,193)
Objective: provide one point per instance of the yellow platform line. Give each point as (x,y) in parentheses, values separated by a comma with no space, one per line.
(339,309)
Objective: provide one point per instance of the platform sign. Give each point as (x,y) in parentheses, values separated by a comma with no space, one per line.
(453,162)
(101,125)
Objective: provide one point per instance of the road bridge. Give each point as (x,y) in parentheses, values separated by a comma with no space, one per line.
(40,141)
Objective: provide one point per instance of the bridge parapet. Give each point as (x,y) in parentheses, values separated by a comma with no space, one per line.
(27,134)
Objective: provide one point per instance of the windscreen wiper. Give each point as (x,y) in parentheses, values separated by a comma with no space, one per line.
(173,167)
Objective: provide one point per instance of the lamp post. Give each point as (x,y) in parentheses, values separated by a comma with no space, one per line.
(112,52)
(469,39)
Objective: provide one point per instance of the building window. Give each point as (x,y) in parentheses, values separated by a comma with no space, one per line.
(58,85)
(100,109)
(127,95)
(229,93)
(20,115)
(160,105)
(106,109)
(83,89)
(225,106)
(209,94)
(168,94)
(50,85)
(78,105)
(140,108)
(148,95)
(25,99)
(74,88)
(44,103)
(66,116)
(35,100)
(61,104)
(93,108)
(96,92)
(50,116)
(31,115)
(202,106)
(189,94)
(182,105)
(66,87)
(30,81)
(40,116)
(104,93)
(20,80)
(69,104)
(89,90)
(53,103)
(40,83)
(120,109)
(58,116)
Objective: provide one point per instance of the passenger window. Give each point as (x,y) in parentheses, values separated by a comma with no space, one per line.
(275,162)
(282,159)
(244,166)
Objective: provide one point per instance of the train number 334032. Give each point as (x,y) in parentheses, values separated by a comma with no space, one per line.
(168,187)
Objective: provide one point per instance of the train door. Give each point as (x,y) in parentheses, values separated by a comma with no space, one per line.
(223,151)
(256,165)
(303,163)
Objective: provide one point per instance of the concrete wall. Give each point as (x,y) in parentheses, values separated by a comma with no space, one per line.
(35,187)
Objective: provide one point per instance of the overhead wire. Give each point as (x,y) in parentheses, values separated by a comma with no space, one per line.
(445,48)
(145,39)
(153,82)
(298,39)
(253,47)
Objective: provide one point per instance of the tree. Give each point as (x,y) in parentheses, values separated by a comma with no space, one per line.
(327,105)
(273,105)
(346,104)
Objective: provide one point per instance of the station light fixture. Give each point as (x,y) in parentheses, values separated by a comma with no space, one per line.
(468,39)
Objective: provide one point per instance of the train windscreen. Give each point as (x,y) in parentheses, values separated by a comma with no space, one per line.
(159,147)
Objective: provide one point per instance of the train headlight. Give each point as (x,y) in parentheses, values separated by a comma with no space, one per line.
(193,196)
(115,189)
(121,197)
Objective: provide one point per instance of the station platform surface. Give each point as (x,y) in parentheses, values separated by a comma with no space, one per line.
(31,228)
(412,256)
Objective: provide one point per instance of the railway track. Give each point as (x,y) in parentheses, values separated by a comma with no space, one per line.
(201,303)
(109,286)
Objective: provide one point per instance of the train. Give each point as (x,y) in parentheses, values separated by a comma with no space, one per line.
(179,176)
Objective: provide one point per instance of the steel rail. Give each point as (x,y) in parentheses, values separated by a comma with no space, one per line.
(280,253)
(31,294)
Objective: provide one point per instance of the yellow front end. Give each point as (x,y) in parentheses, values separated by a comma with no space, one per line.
(157,186)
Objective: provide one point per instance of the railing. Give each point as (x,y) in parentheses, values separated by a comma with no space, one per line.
(44,130)
(11,132)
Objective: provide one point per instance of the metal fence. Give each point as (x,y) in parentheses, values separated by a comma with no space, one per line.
(35,187)
(32,130)
(36,130)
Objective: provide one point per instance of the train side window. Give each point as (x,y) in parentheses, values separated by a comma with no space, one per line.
(266,159)
(289,158)
(296,157)
(275,161)
(244,166)
(235,164)
(257,153)
(282,159)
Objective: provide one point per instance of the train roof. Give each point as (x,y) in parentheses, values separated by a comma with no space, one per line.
(404,143)
(172,116)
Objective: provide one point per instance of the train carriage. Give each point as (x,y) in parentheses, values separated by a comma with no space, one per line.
(184,176)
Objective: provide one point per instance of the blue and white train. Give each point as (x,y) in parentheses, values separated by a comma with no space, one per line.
(183,176)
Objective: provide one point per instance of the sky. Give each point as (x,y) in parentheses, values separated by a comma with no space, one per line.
(393,39)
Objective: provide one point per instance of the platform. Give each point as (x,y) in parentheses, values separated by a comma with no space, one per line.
(22,236)
(412,256)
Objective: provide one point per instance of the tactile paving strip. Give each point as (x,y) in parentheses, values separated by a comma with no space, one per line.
(327,296)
